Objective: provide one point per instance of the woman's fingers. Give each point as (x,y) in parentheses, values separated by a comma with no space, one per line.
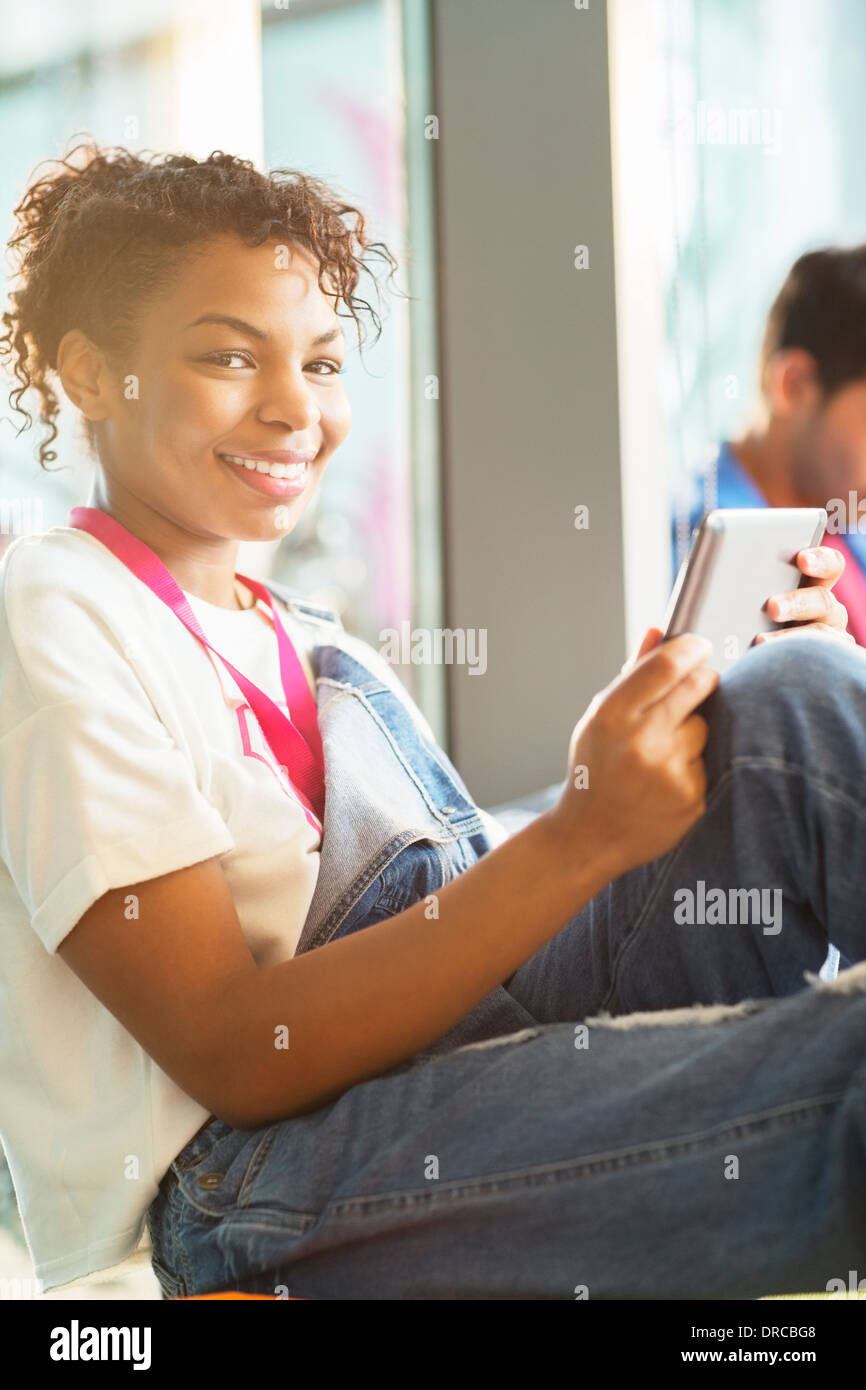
(683,698)
(823,563)
(815,604)
(650,640)
(693,737)
(655,677)
(649,643)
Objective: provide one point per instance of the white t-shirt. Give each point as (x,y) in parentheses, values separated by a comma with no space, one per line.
(121,758)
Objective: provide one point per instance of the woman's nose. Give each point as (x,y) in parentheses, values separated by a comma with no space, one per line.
(290,402)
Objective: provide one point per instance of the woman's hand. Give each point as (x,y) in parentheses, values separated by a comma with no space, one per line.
(815,609)
(649,643)
(636,781)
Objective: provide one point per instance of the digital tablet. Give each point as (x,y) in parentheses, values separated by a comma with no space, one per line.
(739,558)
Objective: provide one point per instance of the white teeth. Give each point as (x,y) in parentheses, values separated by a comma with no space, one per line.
(294,471)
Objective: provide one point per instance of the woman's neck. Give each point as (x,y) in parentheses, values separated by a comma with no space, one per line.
(203,566)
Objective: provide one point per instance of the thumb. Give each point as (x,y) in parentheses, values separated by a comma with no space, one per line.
(650,641)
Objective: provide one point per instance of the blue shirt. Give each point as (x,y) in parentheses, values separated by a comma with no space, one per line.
(736,489)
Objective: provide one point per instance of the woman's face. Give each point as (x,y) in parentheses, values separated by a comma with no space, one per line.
(238,360)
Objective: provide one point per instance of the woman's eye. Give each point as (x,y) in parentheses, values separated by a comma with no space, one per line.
(224,359)
(331,368)
(321,367)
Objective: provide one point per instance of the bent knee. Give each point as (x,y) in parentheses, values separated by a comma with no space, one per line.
(808,666)
(781,694)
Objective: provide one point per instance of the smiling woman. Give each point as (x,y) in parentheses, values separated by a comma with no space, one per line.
(270,979)
(214,395)
(191,311)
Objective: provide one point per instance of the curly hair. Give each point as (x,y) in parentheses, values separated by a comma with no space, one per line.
(106,230)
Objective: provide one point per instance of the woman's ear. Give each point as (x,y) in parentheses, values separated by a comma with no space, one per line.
(83,373)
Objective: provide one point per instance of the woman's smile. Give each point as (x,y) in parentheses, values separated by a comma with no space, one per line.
(281,474)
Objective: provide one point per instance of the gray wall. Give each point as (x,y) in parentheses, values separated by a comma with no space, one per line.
(528,379)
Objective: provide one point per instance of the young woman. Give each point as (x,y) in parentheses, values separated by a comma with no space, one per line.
(271,979)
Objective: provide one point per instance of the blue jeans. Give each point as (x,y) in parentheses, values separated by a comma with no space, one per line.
(649,1107)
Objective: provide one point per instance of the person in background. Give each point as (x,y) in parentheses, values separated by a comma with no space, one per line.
(806,444)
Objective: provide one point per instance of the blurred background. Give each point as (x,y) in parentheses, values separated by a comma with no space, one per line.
(593,207)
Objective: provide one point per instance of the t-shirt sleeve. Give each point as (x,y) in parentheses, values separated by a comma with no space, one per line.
(95,793)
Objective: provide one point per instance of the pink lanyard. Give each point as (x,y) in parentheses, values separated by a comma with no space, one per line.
(295,742)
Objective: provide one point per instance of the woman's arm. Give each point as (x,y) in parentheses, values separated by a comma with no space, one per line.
(182,980)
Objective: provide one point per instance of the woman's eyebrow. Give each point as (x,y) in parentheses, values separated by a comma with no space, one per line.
(241,326)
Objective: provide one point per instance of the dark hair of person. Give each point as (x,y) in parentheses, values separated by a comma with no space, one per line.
(821,308)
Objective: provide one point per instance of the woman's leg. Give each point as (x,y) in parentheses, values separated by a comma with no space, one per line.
(708,1152)
(694,1154)
(784,838)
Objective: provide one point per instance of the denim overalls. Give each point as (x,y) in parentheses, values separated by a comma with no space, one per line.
(399,820)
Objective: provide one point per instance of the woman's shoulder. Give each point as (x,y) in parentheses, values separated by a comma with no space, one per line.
(61,590)
(79,629)
(63,561)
